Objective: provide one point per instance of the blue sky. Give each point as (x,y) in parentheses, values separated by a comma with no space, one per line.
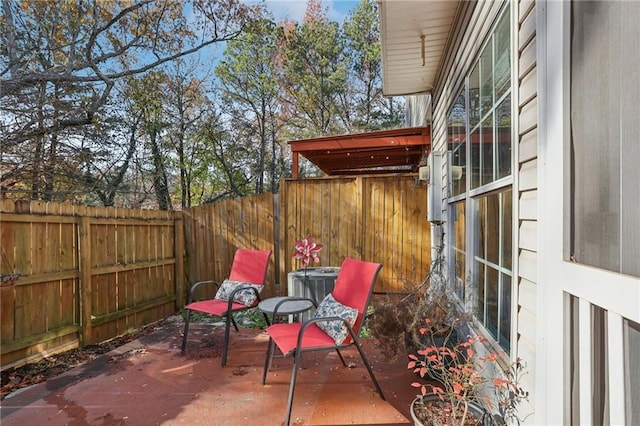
(294,9)
(337,10)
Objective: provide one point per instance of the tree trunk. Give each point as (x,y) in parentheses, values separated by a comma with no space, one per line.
(160,182)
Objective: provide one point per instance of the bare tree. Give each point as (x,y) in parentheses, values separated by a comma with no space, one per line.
(249,81)
(88,46)
(59,62)
(186,105)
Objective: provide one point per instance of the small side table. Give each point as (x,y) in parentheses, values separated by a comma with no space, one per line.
(284,306)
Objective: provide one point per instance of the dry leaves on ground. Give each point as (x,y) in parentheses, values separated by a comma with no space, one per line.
(36,372)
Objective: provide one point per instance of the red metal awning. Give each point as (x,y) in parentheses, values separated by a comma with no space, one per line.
(386,151)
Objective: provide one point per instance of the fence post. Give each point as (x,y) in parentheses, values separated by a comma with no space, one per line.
(178,227)
(85,280)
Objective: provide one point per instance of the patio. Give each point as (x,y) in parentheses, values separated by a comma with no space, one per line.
(149,382)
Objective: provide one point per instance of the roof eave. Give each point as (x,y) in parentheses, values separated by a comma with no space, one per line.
(407,29)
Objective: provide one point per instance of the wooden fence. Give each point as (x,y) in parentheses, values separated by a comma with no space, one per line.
(85,274)
(90,274)
(375,218)
(213,232)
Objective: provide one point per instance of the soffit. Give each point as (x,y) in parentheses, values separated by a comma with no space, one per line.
(387,151)
(402,23)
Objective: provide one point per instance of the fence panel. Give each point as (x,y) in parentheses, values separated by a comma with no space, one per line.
(397,233)
(128,295)
(84,275)
(214,232)
(375,218)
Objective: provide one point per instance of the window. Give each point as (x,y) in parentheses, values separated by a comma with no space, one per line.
(457,141)
(605,152)
(459,248)
(490,109)
(480,204)
(493,263)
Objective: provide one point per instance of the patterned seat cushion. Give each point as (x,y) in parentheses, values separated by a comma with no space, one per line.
(246,297)
(330,307)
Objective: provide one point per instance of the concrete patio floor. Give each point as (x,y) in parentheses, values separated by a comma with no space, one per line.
(149,382)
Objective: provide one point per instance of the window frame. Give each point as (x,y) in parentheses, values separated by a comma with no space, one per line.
(472,195)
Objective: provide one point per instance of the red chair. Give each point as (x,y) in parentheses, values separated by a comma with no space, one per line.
(238,293)
(335,325)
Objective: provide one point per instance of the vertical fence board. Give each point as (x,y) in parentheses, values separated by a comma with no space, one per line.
(7,307)
(85,246)
(21,313)
(22,248)
(7,267)
(37,308)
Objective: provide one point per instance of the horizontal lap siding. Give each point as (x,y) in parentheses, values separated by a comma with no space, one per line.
(527,190)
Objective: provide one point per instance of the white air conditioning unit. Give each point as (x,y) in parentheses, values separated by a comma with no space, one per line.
(434,187)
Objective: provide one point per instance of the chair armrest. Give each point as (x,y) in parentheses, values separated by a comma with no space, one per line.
(311,321)
(198,284)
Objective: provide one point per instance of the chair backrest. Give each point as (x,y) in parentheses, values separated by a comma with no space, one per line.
(354,286)
(250,266)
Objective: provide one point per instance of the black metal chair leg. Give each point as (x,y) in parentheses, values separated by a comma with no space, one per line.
(366,363)
(341,359)
(268,359)
(233,320)
(185,331)
(225,343)
(292,385)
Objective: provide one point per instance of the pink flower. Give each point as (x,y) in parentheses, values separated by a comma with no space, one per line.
(307,250)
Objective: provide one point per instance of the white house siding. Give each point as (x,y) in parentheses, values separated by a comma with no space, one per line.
(473,26)
(417,110)
(527,101)
(475,23)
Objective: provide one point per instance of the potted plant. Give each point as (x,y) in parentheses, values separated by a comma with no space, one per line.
(455,382)
(460,383)
(396,319)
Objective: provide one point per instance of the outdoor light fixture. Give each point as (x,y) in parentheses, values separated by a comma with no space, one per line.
(423,173)
(422,46)
(456,172)
(434,187)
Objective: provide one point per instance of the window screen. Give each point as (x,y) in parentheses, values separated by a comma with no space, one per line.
(605,135)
